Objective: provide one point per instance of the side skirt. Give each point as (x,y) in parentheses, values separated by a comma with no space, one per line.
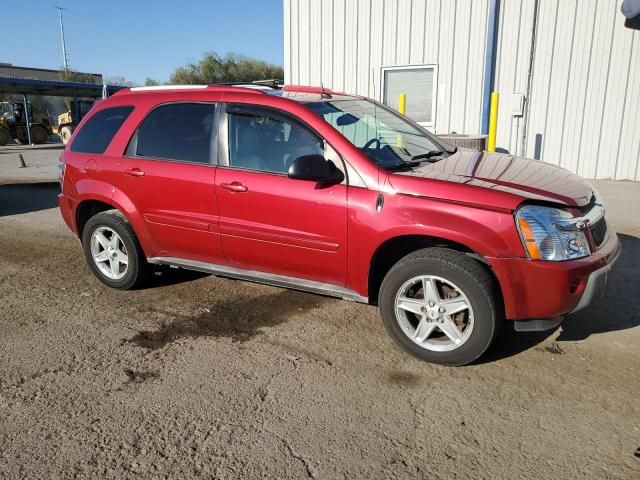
(262,277)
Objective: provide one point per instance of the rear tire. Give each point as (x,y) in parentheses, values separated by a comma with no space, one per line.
(39,134)
(65,134)
(113,251)
(412,313)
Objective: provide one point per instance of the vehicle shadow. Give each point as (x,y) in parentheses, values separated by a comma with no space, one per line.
(17,198)
(619,309)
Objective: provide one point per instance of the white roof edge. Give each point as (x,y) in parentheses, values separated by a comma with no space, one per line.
(166,87)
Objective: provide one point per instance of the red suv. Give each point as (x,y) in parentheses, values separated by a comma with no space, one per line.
(339,195)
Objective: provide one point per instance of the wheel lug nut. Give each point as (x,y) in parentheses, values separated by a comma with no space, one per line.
(442,309)
(432,303)
(423,309)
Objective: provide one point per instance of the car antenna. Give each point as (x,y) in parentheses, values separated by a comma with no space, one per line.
(323,94)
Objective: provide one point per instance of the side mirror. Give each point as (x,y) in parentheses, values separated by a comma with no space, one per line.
(631,10)
(316,169)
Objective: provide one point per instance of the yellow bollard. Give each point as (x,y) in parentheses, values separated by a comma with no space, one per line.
(402,103)
(402,108)
(493,122)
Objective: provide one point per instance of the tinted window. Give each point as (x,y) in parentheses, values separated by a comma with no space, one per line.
(97,133)
(180,131)
(268,143)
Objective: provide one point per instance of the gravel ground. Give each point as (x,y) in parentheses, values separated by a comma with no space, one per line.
(203,377)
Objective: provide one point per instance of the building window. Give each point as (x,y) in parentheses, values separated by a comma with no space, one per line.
(418,83)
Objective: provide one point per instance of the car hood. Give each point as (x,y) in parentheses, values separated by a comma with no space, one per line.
(511,180)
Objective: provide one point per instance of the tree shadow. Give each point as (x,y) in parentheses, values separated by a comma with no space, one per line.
(619,309)
(17,198)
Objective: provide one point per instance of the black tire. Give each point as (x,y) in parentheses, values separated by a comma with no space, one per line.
(137,268)
(5,136)
(465,272)
(39,134)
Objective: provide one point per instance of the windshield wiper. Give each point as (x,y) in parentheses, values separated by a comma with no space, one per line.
(430,154)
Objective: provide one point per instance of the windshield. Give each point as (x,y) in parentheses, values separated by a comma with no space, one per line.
(381,134)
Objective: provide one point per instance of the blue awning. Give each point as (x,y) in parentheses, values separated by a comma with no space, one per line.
(58,88)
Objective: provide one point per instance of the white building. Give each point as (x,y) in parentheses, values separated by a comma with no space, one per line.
(568,71)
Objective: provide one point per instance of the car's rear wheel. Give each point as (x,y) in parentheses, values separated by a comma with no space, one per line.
(440,306)
(113,252)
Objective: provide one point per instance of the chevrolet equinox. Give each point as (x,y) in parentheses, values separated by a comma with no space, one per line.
(336,194)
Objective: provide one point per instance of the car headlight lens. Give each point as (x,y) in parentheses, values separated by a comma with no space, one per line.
(543,236)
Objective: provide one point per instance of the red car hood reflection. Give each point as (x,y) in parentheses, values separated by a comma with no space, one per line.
(530,179)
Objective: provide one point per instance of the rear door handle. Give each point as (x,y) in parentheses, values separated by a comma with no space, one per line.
(134,172)
(234,187)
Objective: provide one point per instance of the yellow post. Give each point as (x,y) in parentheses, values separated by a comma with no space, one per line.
(402,108)
(402,103)
(493,122)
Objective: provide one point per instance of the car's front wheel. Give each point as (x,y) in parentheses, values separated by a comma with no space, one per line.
(440,306)
(113,252)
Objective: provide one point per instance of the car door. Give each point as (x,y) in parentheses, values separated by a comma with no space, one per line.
(169,172)
(268,221)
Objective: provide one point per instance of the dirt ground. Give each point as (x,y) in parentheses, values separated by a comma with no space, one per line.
(203,377)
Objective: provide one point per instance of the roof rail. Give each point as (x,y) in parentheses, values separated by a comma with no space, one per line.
(166,87)
(248,88)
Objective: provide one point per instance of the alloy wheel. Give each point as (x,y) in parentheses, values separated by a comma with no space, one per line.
(434,313)
(109,253)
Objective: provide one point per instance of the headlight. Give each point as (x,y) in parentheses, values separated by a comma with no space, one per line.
(543,236)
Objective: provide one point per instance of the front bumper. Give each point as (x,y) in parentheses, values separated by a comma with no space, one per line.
(596,285)
(535,289)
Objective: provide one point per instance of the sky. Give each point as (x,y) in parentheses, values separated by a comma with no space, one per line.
(137,39)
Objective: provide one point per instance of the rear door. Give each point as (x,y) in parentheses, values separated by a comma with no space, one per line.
(269,222)
(169,172)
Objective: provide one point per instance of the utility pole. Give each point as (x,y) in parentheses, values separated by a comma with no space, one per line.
(65,58)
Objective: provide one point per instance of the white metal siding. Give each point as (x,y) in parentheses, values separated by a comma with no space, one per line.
(585,82)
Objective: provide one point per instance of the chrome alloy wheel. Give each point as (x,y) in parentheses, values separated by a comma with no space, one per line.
(434,313)
(109,253)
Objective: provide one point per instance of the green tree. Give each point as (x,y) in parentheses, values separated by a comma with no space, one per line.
(119,81)
(213,68)
(150,82)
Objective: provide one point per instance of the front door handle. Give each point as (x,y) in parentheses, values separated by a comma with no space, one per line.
(134,172)
(236,187)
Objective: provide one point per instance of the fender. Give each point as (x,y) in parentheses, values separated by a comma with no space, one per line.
(90,189)
(485,232)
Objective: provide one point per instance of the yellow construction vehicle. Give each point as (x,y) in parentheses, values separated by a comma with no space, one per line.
(13,124)
(66,121)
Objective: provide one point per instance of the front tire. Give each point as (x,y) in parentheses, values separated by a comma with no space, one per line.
(440,306)
(113,252)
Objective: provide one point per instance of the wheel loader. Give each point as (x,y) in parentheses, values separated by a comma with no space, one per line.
(13,124)
(66,121)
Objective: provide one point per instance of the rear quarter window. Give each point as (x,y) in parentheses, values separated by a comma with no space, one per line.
(96,134)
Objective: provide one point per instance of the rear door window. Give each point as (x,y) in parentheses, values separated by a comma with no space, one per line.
(180,131)
(97,133)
